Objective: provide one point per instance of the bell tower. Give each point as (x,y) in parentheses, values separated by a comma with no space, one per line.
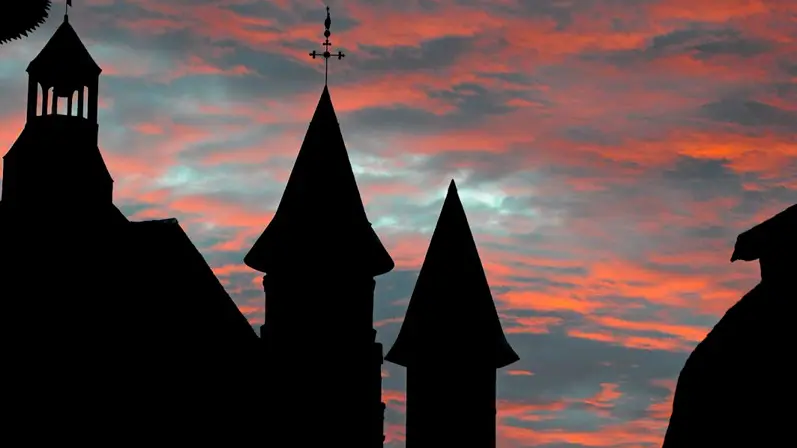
(64,70)
(56,160)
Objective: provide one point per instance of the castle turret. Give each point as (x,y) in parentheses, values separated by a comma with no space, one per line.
(451,321)
(320,256)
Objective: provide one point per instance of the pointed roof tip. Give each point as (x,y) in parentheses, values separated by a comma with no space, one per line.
(324,104)
(452,187)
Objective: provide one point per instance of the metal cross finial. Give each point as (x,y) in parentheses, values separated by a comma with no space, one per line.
(326,54)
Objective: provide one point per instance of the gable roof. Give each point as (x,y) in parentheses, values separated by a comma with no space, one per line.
(183,285)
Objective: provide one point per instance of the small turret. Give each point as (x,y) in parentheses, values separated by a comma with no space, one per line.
(452,294)
(451,320)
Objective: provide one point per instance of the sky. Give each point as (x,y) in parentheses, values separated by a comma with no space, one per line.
(607,152)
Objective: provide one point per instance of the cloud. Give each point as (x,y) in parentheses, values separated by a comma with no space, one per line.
(607,153)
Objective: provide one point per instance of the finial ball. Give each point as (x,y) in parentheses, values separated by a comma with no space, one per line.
(327,54)
(327,33)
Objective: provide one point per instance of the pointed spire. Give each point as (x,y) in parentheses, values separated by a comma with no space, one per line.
(64,57)
(320,223)
(451,311)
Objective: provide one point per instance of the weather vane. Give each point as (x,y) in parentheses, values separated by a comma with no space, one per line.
(326,54)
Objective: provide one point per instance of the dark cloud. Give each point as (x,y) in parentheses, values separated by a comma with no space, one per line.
(595,176)
(700,42)
(433,54)
(750,113)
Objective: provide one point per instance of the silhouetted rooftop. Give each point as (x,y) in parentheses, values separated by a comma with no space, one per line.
(451,311)
(320,223)
(178,275)
(775,234)
(63,57)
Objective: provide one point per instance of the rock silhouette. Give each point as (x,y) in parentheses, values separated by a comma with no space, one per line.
(732,388)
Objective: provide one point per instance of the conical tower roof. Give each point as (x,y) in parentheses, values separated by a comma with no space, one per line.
(64,59)
(320,224)
(451,311)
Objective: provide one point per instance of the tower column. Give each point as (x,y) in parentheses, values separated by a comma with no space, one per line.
(45,99)
(80,94)
(93,100)
(69,104)
(33,97)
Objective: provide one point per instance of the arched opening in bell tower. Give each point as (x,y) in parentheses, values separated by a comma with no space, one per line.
(39,100)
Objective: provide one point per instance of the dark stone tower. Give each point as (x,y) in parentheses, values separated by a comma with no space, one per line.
(451,342)
(320,256)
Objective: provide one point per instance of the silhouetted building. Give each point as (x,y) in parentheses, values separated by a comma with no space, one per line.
(736,386)
(451,342)
(106,323)
(320,256)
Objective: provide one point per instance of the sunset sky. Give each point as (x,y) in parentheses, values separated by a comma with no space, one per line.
(607,152)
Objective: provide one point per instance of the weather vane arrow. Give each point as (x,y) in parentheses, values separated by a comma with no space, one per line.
(326,54)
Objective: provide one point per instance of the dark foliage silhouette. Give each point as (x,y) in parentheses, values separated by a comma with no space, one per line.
(22,17)
(735,387)
(451,382)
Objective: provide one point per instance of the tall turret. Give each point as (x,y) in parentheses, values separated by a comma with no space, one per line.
(451,341)
(320,256)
